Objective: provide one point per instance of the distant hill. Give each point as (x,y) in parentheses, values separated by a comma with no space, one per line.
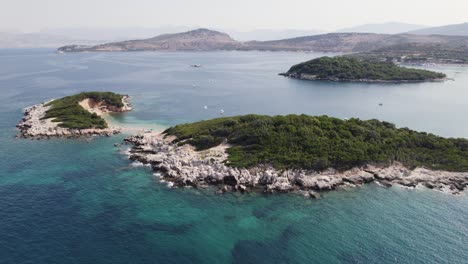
(270,34)
(383,28)
(449,30)
(111,34)
(195,40)
(36,40)
(418,48)
(351,42)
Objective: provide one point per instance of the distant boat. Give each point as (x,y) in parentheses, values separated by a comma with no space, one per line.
(205,107)
(196,66)
(221,112)
(380,104)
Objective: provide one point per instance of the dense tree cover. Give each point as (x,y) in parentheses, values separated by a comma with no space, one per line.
(70,114)
(320,142)
(350,68)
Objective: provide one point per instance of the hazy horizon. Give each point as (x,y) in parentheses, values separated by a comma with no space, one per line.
(35,16)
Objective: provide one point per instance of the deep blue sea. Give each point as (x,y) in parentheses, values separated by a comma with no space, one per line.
(79,201)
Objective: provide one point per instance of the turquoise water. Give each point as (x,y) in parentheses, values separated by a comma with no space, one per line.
(74,201)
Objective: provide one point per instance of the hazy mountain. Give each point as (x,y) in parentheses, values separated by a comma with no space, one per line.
(353,42)
(37,40)
(56,37)
(270,34)
(113,34)
(449,30)
(126,33)
(206,40)
(383,28)
(195,40)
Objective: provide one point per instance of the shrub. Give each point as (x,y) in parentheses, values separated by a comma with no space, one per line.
(70,114)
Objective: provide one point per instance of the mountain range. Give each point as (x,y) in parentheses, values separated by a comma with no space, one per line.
(264,38)
(383,28)
(38,40)
(269,34)
(56,37)
(206,40)
(449,30)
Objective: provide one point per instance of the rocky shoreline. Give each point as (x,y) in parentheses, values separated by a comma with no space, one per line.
(32,125)
(183,166)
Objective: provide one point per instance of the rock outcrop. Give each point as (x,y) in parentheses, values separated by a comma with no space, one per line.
(183,166)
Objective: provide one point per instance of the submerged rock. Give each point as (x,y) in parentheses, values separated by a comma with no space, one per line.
(314,195)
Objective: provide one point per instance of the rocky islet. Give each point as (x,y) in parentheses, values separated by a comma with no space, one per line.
(35,125)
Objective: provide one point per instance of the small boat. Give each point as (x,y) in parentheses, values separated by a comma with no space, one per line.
(221,112)
(205,107)
(380,104)
(196,66)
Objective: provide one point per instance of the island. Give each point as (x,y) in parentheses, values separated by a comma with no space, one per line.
(72,116)
(351,69)
(301,153)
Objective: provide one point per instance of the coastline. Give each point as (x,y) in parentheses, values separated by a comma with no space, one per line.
(183,166)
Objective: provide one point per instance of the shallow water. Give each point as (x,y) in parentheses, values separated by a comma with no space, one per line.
(73,201)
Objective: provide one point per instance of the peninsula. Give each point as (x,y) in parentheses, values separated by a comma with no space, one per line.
(351,69)
(72,116)
(195,40)
(301,153)
(405,48)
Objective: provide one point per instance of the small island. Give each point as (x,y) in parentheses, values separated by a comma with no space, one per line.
(301,153)
(351,69)
(71,116)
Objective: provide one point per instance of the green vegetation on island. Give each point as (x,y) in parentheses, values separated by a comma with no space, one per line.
(353,69)
(321,142)
(71,114)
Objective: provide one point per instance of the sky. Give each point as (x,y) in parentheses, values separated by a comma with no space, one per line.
(35,15)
